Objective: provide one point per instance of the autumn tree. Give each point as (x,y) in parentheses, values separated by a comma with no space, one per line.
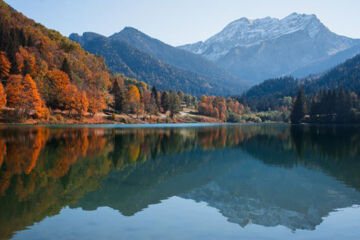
(2,96)
(56,87)
(96,102)
(132,99)
(5,66)
(14,91)
(149,102)
(32,99)
(84,103)
(22,94)
(72,99)
(26,62)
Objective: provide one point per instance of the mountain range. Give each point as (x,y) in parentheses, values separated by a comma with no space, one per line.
(174,56)
(245,53)
(255,50)
(139,56)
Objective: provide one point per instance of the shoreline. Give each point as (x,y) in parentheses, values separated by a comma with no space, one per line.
(139,125)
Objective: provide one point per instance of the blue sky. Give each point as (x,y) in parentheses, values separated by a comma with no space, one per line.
(181,21)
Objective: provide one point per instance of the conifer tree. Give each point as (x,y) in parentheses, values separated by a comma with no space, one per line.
(32,99)
(298,111)
(22,94)
(119,96)
(154,94)
(165,101)
(65,67)
(174,103)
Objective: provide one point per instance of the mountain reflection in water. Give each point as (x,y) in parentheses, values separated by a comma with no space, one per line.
(267,175)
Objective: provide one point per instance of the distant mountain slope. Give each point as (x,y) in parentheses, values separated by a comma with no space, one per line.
(346,75)
(123,58)
(265,48)
(327,63)
(277,87)
(174,56)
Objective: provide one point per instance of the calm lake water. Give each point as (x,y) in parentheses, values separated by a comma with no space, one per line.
(180,182)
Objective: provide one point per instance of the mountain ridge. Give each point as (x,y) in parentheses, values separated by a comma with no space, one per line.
(174,56)
(121,57)
(265,48)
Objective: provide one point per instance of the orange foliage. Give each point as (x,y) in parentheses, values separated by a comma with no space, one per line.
(2,96)
(96,102)
(5,66)
(218,107)
(35,50)
(84,103)
(26,62)
(32,99)
(14,90)
(58,84)
(22,93)
(72,98)
(22,158)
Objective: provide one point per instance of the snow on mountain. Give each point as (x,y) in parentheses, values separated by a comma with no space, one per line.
(245,47)
(244,32)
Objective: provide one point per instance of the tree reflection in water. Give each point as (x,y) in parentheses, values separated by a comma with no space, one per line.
(240,170)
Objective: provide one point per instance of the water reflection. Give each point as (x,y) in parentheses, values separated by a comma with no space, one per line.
(266,175)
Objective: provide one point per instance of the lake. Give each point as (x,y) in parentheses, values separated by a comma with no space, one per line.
(180,182)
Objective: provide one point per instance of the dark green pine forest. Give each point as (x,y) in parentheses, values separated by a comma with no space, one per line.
(332,97)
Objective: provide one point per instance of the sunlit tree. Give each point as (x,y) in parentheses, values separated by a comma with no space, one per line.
(5,66)
(2,96)
(133,98)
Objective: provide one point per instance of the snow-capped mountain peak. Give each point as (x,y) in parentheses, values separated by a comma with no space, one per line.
(247,32)
(268,47)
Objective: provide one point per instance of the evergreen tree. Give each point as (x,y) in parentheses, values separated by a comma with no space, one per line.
(154,95)
(26,69)
(174,103)
(298,111)
(165,101)
(119,96)
(65,67)
(181,95)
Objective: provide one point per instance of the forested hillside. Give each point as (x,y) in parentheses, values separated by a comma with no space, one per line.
(121,57)
(41,69)
(177,57)
(48,78)
(270,94)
